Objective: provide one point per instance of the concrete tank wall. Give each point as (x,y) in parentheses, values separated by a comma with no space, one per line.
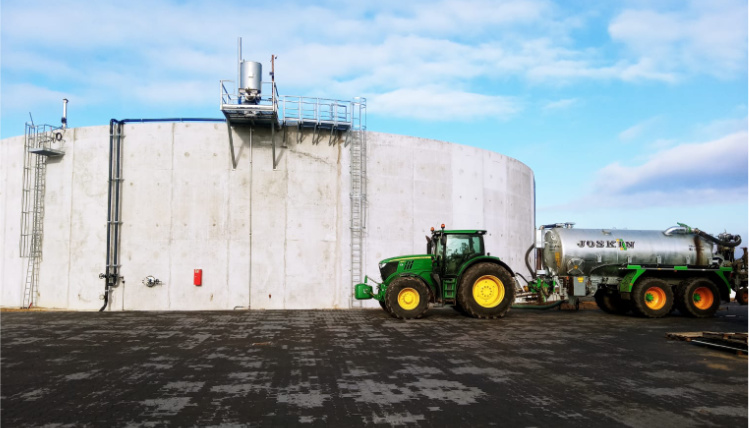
(264,238)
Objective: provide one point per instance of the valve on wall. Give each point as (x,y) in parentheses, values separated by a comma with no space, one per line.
(151,281)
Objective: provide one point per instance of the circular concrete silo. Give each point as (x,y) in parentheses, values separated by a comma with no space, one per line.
(264,238)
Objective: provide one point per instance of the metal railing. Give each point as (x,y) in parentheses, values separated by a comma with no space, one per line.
(316,110)
(291,109)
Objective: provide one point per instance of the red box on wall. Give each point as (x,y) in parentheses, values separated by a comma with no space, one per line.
(198,277)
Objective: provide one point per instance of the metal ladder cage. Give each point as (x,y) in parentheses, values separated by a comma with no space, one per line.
(358,170)
(38,140)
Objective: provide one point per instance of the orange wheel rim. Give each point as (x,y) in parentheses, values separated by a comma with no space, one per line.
(703,298)
(655,298)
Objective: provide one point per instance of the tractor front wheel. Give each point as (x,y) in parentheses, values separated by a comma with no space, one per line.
(407,298)
(486,290)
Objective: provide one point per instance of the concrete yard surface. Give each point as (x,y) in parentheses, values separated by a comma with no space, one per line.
(361,367)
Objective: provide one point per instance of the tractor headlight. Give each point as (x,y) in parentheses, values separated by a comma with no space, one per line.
(387,269)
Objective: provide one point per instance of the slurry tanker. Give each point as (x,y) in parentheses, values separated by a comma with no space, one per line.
(650,272)
(646,271)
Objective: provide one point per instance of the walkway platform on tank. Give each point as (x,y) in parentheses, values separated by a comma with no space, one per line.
(362,367)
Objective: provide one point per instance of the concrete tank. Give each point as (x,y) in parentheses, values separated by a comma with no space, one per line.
(602,251)
(264,238)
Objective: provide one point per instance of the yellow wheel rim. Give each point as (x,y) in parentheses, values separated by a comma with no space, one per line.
(488,291)
(703,298)
(655,298)
(408,299)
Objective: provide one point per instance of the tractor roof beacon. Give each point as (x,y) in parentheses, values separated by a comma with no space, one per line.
(455,271)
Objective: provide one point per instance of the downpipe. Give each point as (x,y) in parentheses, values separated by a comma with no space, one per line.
(107,290)
(111,275)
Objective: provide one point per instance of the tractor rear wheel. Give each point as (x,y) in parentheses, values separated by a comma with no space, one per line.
(699,298)
(407,298)
(486,290)
(652,298)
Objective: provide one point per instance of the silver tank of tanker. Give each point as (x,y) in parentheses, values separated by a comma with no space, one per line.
(599,252)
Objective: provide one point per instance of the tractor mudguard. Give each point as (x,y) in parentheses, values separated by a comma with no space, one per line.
(480,259)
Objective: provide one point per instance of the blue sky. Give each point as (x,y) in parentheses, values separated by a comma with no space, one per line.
(632,114)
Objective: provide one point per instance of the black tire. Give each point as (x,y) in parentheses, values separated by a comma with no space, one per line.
(652,298)
(610,302)
(457,308)
(679,297)
(699,298)
(407,298)
(494,282)
(742,296)
(383,306)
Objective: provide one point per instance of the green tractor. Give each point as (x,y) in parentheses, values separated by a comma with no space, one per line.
(456,271)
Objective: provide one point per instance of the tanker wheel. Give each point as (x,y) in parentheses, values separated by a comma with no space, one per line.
(742,295)
(610,302)
(699,298)
(486,290)
(407,298)
(652,298)
(679,297)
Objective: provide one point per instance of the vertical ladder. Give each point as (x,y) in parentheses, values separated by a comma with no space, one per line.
(358,171)
(32,206)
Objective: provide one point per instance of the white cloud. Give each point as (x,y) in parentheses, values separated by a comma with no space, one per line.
(638,129)
(28,98)
(461,17)
(560,104)
(689,176)
(705,37)
(341,49)
(436,104)
(720,127)
(685,171)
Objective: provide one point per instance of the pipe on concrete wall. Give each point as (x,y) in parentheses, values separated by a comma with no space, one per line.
(112,273)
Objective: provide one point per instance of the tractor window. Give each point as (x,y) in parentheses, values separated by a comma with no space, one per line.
(437,248)
(460,249)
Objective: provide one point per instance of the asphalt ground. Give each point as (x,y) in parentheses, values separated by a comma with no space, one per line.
(361,367)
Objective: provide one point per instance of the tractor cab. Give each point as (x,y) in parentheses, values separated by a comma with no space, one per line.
(451,249)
